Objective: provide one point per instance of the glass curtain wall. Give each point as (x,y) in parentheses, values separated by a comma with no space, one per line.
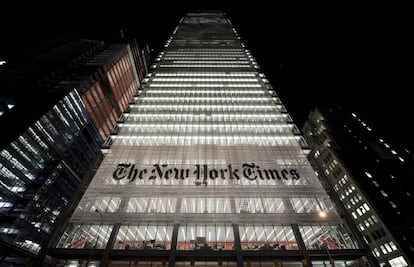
(207,145)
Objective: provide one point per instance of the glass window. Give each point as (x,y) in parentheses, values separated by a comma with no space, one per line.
(326,237)
(144,236)
(104,204)
(259,205)
(209,237)
(308,205)
(151,204)
(267,237)
(85,236)
(205,205)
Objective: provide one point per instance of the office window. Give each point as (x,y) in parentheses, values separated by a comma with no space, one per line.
(267,237)
(207,237)
(144,236)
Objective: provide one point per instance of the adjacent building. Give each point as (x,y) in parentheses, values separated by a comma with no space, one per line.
(205,167)
(42,171)
(105,75)
(371,178)
(58,105)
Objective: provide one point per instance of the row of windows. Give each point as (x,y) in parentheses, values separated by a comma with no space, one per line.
(203,66)
(204,50)
(197,50)
(206,205)
(204,100)
(154,140)
(371,221)
(207,104)
(189,42)
(195,102)
(205,80)
(206,85)
(217,129)
(235,125)
(205,74)
(208,117)
(190,58)
(208,237)
(347,192)
(204,108)
(355,199)
(205,93)
(209,62)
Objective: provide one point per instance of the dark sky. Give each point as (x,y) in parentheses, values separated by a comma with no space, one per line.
(356,55)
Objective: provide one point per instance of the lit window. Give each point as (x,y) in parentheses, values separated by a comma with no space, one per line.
(392,204)
(388,247)
(393,246)
(376,252)
(401,159)
(398,261)
(383,193)
(368,174)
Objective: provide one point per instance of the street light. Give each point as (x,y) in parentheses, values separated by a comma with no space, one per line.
(97,237)
(322,214)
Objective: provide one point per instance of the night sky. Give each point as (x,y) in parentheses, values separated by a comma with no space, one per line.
(359,56)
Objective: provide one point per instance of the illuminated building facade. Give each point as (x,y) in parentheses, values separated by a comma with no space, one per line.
(58,104)
(106,82)
(42,171)
(369,176)
(206,168)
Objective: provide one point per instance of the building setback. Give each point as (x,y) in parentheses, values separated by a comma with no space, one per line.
(206,168)
(369,177)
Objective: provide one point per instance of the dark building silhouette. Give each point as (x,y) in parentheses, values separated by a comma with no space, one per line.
(205,167)
(372,179)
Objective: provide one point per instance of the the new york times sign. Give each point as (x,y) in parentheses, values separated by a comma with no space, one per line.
(202,173)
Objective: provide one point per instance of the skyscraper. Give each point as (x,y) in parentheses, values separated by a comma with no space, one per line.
(106,83)
(370,177)
(206,167)
(57,105)
(42,171)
